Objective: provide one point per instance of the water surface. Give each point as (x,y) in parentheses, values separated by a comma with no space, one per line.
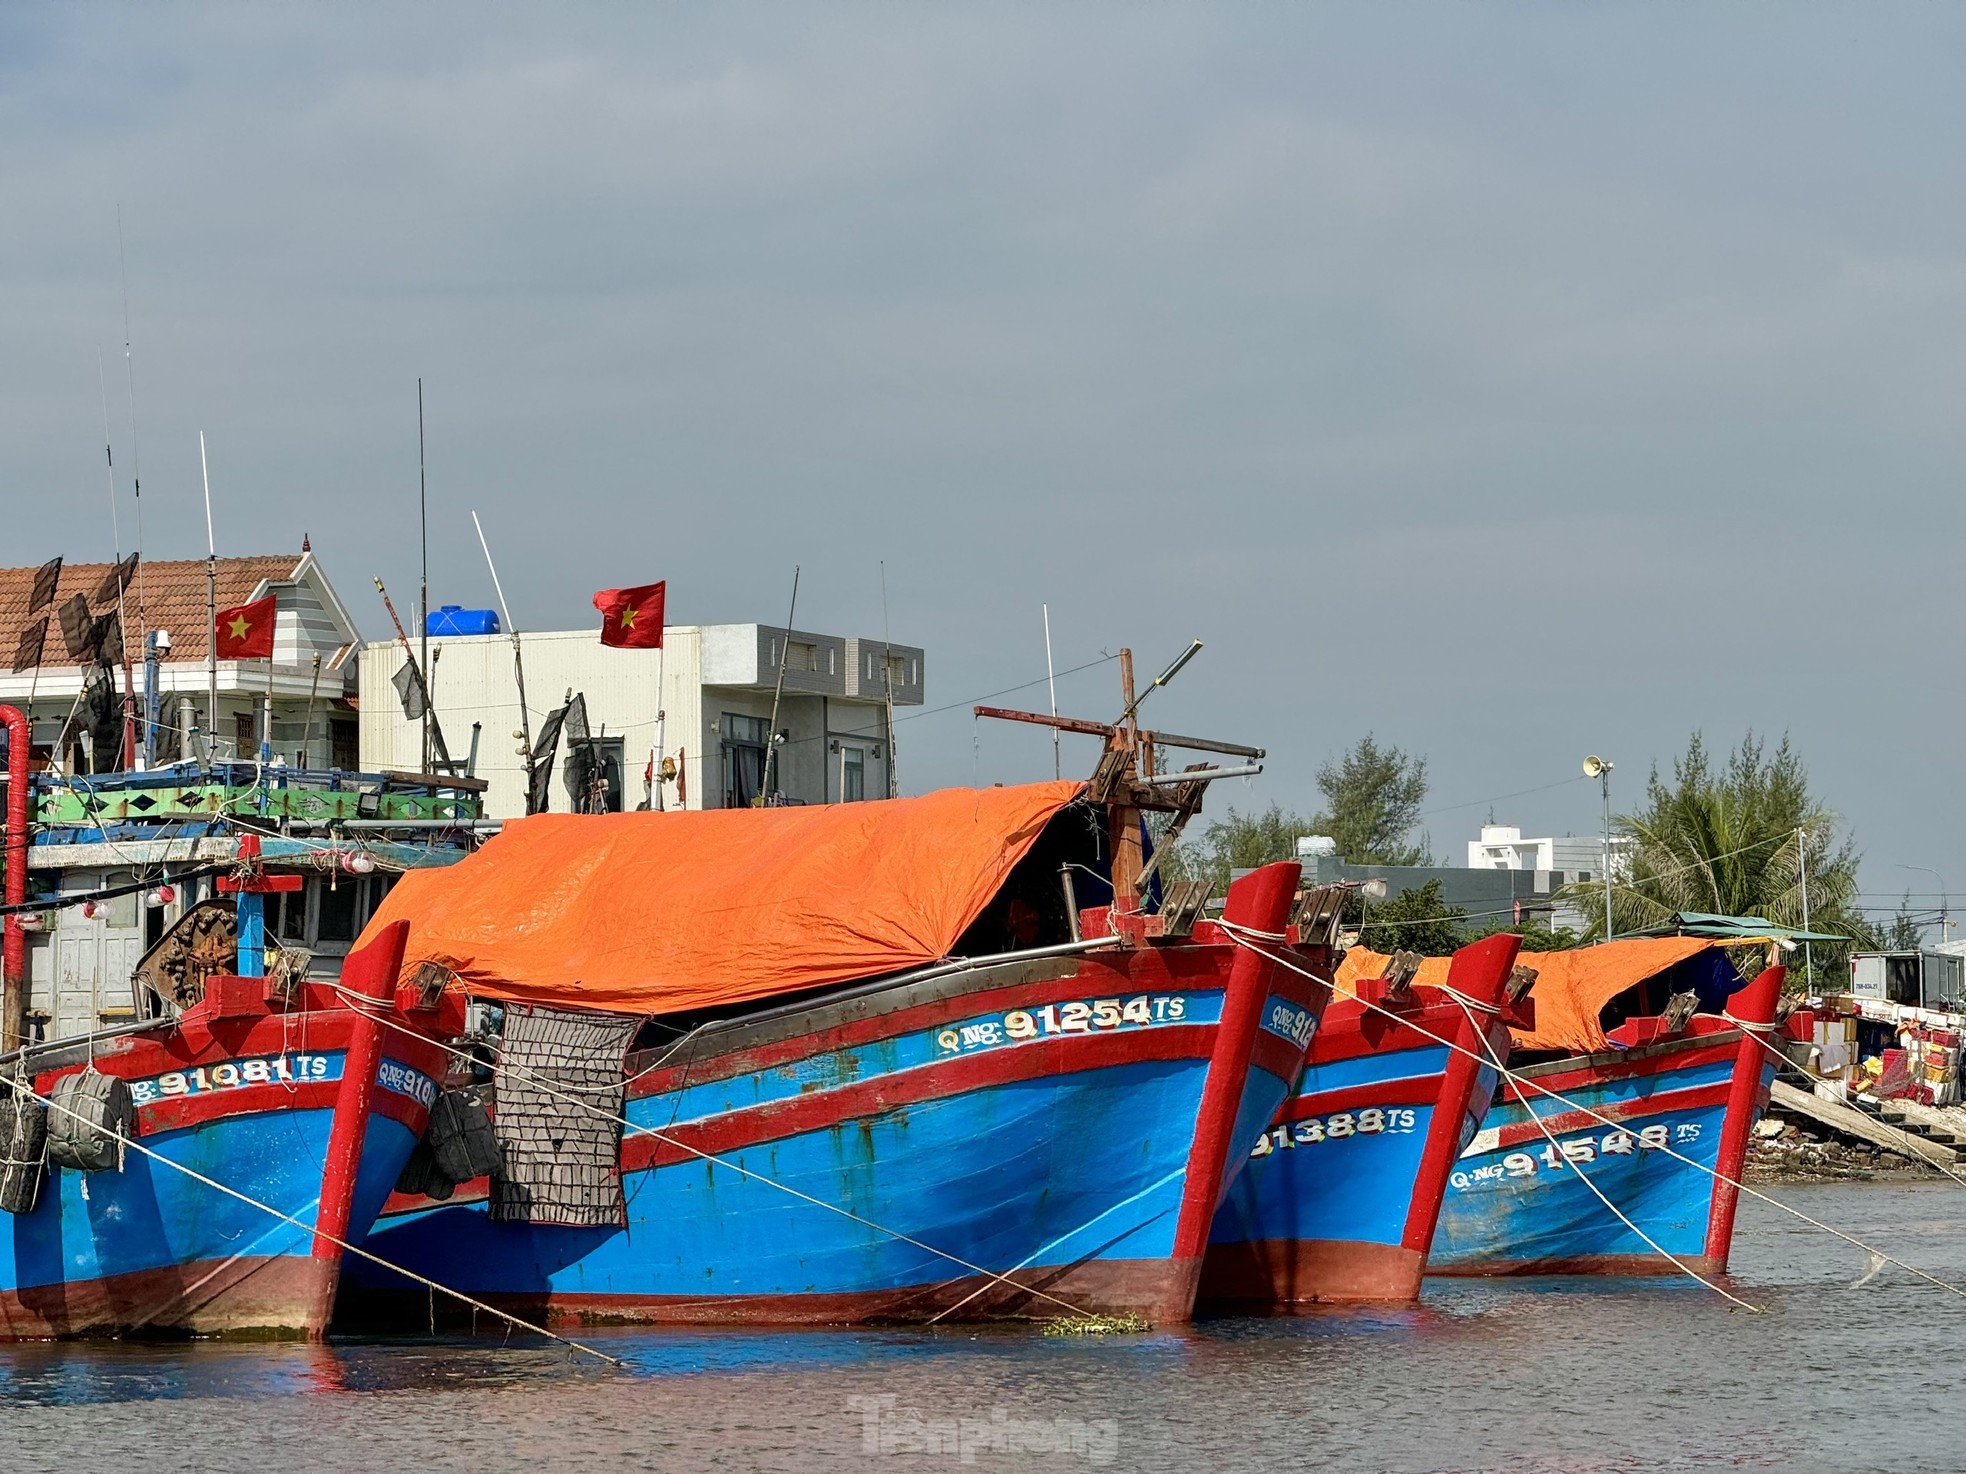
(1551,1377)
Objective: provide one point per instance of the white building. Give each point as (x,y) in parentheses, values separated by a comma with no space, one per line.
(314,643)
(710,715)
(1557,861)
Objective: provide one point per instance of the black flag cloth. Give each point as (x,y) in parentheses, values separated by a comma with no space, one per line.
(45,579)
(106,639)
(409,691)
(76,627)
(116,580)
(539,769)
(33,639)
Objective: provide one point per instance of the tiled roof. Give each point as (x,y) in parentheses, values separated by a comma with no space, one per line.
(172,597)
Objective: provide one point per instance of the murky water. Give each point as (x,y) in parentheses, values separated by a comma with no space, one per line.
(1571,1376)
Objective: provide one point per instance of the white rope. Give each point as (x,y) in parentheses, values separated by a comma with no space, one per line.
(1521,1080)
(1556,1150)
(340,1243)
(622,1120)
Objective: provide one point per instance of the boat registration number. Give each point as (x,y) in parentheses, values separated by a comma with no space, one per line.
(1371,1121)
(1579,1151)
(236,1074)
(1086,1016)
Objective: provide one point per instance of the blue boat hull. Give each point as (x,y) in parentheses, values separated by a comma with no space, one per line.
(1520,1202)
(1027,1140)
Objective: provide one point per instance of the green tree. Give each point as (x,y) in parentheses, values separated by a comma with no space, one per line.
(1239,841)
(1904,934)
(1414,921)
(1537,938)
(1373,796)
(1733,838)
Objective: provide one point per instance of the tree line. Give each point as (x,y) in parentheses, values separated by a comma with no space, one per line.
(1736,836)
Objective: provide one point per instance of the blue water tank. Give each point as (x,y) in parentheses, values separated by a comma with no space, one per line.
(451,620)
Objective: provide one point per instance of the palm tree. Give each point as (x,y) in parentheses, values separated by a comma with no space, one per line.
(1735,842)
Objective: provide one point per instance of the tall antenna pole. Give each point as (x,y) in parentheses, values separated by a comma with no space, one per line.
(1605,777)
(423,529)
(211,604)
(518,658)
(887,683)
(1808,952)
(771,728)
(1051,680)
(116,541)
(136,460)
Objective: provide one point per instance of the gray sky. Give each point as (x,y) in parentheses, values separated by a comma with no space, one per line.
(1512,381)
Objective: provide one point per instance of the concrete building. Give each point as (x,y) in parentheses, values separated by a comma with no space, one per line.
(306,683)
(1556,862)
(710,714)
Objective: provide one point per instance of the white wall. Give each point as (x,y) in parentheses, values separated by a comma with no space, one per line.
(473,680)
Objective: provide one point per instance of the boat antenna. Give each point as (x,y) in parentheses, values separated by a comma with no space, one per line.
(211,604)
(136,461)
(778,690)
(115,569)
(1051,679)
(423,532)
(518,658)
(887,685)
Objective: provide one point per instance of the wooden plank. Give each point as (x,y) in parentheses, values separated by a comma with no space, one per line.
(1852,1122)
(439,780)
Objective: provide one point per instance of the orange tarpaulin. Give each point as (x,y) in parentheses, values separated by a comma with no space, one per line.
(1571,987)
(655,913)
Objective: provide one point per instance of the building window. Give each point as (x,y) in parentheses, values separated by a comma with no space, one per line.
(801,655)
(744,744)
(853,774)
(338,910)
(245,735)
(344,746)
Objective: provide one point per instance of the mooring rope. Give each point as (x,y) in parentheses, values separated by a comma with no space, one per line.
(535,1079)
(340,1243)
(1582,1176)
(1522,1080)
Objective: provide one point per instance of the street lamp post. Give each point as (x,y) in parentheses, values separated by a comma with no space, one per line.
(1600,769)
(1945,913)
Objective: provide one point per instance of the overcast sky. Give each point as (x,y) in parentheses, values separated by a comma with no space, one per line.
(1511,381)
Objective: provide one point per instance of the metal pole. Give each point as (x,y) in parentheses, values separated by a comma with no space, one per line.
(1808,952)
(1051,680)
(1945,900)
(211,606)
(1605,779)
(423,612)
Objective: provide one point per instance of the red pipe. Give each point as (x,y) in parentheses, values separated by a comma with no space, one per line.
(13,948)
(1753,1006)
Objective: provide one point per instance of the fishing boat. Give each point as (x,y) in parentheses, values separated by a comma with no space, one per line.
(203,1172)
(1621,1128)
(1340,1196)
(956,1056)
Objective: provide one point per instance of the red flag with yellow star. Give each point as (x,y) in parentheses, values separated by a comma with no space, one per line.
(245,633)
(631,619)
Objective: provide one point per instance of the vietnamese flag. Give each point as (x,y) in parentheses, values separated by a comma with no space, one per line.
(245,633)
(631,619)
